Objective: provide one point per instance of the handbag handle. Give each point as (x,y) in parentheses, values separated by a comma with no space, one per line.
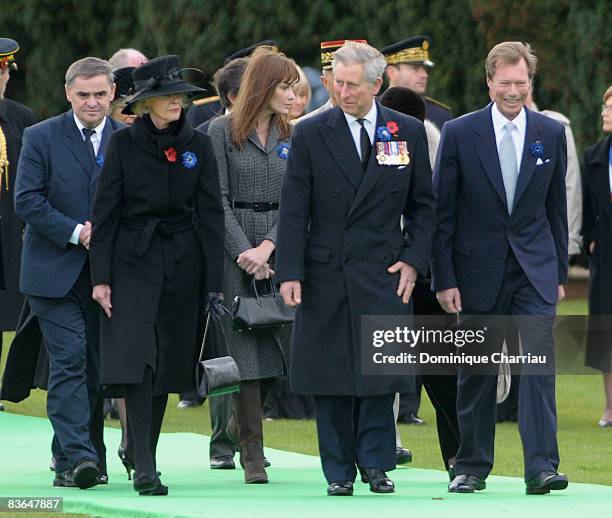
(272,285)
(219,310)
(204,337)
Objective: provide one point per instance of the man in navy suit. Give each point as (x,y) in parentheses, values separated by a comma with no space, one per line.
(56,180)
(500,248)
(352,172)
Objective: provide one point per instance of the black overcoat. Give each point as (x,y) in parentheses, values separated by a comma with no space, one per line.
(338,233)
(597,226)
(14,118)
(154,222)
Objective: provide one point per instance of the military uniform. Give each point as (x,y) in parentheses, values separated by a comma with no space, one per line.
(415,51)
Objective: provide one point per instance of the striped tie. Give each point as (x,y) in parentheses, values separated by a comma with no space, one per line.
(507,161)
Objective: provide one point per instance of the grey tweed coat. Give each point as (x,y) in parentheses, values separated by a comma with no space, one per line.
(252,174)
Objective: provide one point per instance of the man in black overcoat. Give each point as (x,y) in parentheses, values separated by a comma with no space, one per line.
(14,118)
(341,255)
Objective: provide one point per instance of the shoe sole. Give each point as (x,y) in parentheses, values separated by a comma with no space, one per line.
(468,489)
(257,481)
(223,466)
(61,483)
(340,493)
(403,459)
(156,491)
(87,477)
(382,492)
(557,485)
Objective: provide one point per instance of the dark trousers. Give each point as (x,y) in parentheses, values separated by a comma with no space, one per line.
(145,413)
(476,398)
(442,390)
(74,404)
(221,409)
(355,431)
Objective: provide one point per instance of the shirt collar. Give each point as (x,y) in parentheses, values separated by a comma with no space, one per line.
(499,120)
(98,129)
(370,116)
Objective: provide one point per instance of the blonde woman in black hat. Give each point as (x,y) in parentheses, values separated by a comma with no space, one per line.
(252,146)
(157,217)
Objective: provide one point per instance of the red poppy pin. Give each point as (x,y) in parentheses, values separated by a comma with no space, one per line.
(170,154)
(393,127)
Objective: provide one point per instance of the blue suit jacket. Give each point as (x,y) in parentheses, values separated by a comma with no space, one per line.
(54,191)
(474,231)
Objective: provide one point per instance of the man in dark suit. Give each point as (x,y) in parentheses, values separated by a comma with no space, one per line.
(352,172)
(57,176)
(14,118)
(500,248)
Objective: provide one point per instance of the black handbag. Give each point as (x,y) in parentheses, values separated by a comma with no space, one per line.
(264,311)
(217,376)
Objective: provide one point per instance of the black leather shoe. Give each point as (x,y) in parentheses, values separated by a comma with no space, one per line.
(64,479)
(103,478)
(413,419)
(145,482)
(403,456)
(378,480)
(466,484)
(340,488)
(158,489)
(223,462)
(127,462)
(546,482)
(86,474)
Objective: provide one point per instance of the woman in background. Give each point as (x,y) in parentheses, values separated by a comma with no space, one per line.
(252,145)
(597,236)
(302,92)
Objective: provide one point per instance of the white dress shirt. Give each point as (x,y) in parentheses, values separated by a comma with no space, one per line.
(518,133)
(96,139)
(369,124)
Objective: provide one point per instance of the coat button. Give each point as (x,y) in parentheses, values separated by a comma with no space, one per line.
(346,260)
(335,193)
(394,192)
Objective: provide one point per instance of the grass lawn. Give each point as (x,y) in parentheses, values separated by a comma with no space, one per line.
(585,448)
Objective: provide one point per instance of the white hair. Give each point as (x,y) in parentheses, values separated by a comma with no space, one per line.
(353,52)
(127,58)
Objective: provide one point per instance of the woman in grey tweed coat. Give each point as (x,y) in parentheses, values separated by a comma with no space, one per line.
(251,146)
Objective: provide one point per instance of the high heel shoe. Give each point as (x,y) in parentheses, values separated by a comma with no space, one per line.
(128,463)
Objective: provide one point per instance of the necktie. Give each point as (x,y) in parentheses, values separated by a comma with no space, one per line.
(366,145)
(507,161)
(92,154)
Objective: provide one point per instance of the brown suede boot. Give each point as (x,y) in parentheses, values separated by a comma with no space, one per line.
(247,404)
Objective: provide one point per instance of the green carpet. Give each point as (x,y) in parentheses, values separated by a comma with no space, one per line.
(297,487)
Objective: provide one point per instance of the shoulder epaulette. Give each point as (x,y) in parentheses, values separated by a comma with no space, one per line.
(438,103)
(206,100)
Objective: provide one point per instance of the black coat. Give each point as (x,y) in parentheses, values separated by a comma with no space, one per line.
(154,223)
(338,233)
(597,226)
(14,118)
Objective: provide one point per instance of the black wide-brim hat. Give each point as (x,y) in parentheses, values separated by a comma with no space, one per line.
(160,76)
